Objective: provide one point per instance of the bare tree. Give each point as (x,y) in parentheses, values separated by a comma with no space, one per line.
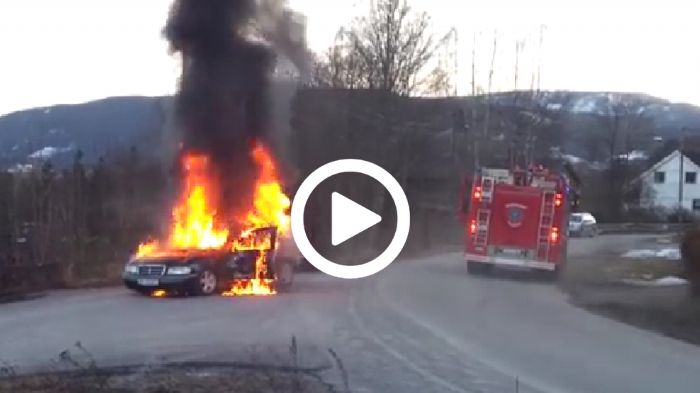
(620,122)
(389,50)
(487,115)
(340,67)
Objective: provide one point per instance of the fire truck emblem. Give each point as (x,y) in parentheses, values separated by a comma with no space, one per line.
(516,214)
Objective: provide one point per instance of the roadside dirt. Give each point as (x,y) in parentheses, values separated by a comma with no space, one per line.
(595,284)
(170,380)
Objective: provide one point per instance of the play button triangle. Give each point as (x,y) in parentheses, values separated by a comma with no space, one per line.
(349,218)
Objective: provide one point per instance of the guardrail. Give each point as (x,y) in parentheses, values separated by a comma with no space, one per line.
(622,228)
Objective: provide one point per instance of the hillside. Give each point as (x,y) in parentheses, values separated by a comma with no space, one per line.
(97,128)
(100,127)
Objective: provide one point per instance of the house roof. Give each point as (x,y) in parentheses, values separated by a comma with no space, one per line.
(694,156)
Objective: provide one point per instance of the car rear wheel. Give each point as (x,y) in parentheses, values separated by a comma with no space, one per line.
(594,231)
(207,283)
(284,275)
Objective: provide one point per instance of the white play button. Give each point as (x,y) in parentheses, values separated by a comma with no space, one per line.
(349,218)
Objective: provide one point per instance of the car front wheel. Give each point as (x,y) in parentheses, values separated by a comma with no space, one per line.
(207,283)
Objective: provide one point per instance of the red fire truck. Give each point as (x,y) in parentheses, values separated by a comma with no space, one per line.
(516,218)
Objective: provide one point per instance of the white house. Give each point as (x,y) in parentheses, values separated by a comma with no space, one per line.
(664,186)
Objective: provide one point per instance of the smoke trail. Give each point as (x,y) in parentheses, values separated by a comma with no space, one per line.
(222,103)
(286,30)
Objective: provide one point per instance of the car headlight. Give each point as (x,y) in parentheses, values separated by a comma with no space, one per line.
(179,270)
(131,269)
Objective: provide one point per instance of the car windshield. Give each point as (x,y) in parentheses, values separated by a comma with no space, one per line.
(308,196)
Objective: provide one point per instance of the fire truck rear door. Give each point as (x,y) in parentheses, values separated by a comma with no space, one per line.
(515,220)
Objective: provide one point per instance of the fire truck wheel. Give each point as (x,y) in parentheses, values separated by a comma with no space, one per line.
(285,276)
(207,283)
(552,275)
(479,268)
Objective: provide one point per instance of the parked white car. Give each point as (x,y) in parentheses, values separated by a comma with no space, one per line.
(583,224)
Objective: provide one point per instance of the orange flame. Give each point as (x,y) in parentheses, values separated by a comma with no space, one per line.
(193,225)
(193,217)
(148,248)
(196,226)
(159,293)
(271,209)
(271,204)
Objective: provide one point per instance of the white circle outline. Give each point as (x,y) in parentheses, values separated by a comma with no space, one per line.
(403,218)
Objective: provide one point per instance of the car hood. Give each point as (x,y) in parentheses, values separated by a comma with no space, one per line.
(171,260)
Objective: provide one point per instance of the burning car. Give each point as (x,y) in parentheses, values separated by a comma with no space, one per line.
(229,228)
(247,252)
(254,265)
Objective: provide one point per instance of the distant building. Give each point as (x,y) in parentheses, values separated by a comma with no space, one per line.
(663,186)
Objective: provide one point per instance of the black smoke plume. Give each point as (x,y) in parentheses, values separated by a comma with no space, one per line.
(222,102)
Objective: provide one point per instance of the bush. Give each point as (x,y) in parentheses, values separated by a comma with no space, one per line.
(642,215)
(682,215)
(690,249)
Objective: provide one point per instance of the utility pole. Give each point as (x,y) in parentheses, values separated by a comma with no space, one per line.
(681,174)
(474,132)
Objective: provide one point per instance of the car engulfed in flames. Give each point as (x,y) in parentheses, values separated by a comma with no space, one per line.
(202,254)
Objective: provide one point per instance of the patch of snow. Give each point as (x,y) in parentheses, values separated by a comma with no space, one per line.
(21,168)
(635,155)
(15,147)
(53,131)
(554,106)
(639,254)
(667,281)
(671,254)
(670,281)
(585,105)
(48,152)
(47,111)
(572,159)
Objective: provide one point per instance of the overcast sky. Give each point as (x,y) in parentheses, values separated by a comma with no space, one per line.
(69,51)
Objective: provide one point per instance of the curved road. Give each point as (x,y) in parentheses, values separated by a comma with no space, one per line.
(422,325)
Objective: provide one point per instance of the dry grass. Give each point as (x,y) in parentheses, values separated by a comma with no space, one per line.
(612,270)
(75,371)
(168,380)
(595,284)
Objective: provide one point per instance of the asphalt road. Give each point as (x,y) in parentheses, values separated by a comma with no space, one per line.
(422,325)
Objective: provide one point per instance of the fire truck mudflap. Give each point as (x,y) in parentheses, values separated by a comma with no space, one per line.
(515,218)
